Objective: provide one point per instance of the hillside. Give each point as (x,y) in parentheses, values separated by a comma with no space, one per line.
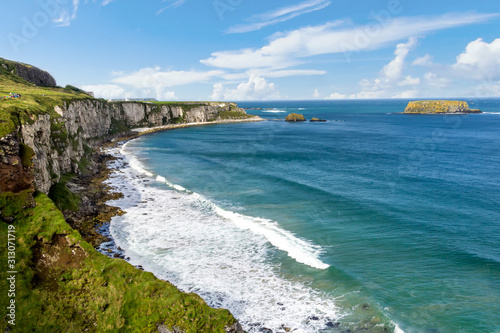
(48,137)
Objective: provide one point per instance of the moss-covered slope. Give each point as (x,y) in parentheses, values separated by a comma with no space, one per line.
(64,285)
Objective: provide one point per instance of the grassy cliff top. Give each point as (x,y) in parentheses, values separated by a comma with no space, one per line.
(34,100)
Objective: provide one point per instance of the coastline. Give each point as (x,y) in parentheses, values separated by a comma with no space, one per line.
(148,130)
(94,218)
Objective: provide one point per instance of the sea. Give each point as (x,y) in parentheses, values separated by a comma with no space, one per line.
(374,221)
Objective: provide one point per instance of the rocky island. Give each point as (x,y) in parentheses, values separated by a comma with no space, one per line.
(48,141)
(294,117)
(439,107)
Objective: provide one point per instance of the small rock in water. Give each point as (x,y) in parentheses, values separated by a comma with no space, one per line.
(280,304)
(332,325)
(266,330)
(365,306)
(116,255)
(313,318)
(286,328)
(120,249)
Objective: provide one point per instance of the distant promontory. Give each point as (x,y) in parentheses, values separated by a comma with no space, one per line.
(439,107)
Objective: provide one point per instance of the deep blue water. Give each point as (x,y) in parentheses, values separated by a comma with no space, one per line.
(392,218)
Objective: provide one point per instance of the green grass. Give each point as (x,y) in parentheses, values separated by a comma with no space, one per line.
(234,115)
(100,295)
(63,198)
(34,101)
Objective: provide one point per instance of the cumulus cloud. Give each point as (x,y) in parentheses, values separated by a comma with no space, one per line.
(480,60)
(108,91)
(283,14)
(394,70)
(424,61)
(409,81)
(392,74)
(435,80)
(390,78)
(156,79)
(407,94)
(256,88)
(336,37)
(152,77)
(337,96)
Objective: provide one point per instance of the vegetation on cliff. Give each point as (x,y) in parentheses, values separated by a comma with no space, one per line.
(34,100)
(63,284)
(443,107)
(295,117)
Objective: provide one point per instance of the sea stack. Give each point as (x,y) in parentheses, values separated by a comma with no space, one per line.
(439,107)
(294,117)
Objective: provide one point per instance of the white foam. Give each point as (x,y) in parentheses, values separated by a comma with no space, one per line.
(298,249)
(397,329)
(274,111)
(187,240)
(134,162)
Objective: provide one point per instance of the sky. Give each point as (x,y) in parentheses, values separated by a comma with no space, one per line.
(260,50)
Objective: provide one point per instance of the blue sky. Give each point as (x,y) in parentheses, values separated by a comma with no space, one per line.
(260,50)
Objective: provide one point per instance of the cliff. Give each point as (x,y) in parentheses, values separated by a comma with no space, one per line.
(46,137)
(439,107)
(62,137)
(29,73)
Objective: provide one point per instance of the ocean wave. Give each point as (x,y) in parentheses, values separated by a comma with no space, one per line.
(274,111)
(184,238)
(298,249)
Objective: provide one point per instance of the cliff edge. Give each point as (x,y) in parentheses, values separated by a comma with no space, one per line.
(439,107)
(62,284)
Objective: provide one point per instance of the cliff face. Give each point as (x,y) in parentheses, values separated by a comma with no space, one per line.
(35,75)
(440,107)
(61,141)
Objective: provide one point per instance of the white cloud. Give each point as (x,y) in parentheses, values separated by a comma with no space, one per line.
(409,81)
(407,94)
(153,77)
(368,95)
(424,61)
(337,96)
(169,96)
(487,89)
(392,74)
(390,78)
(480,60)
(256,88)
(173,4)
(156,79)
(316,93)
(394,70)
(272,73)
(278,16)
(334,37)
(435,80)
(108,91)
(64,19)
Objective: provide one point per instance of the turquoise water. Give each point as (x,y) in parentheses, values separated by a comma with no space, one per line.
(372,221)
